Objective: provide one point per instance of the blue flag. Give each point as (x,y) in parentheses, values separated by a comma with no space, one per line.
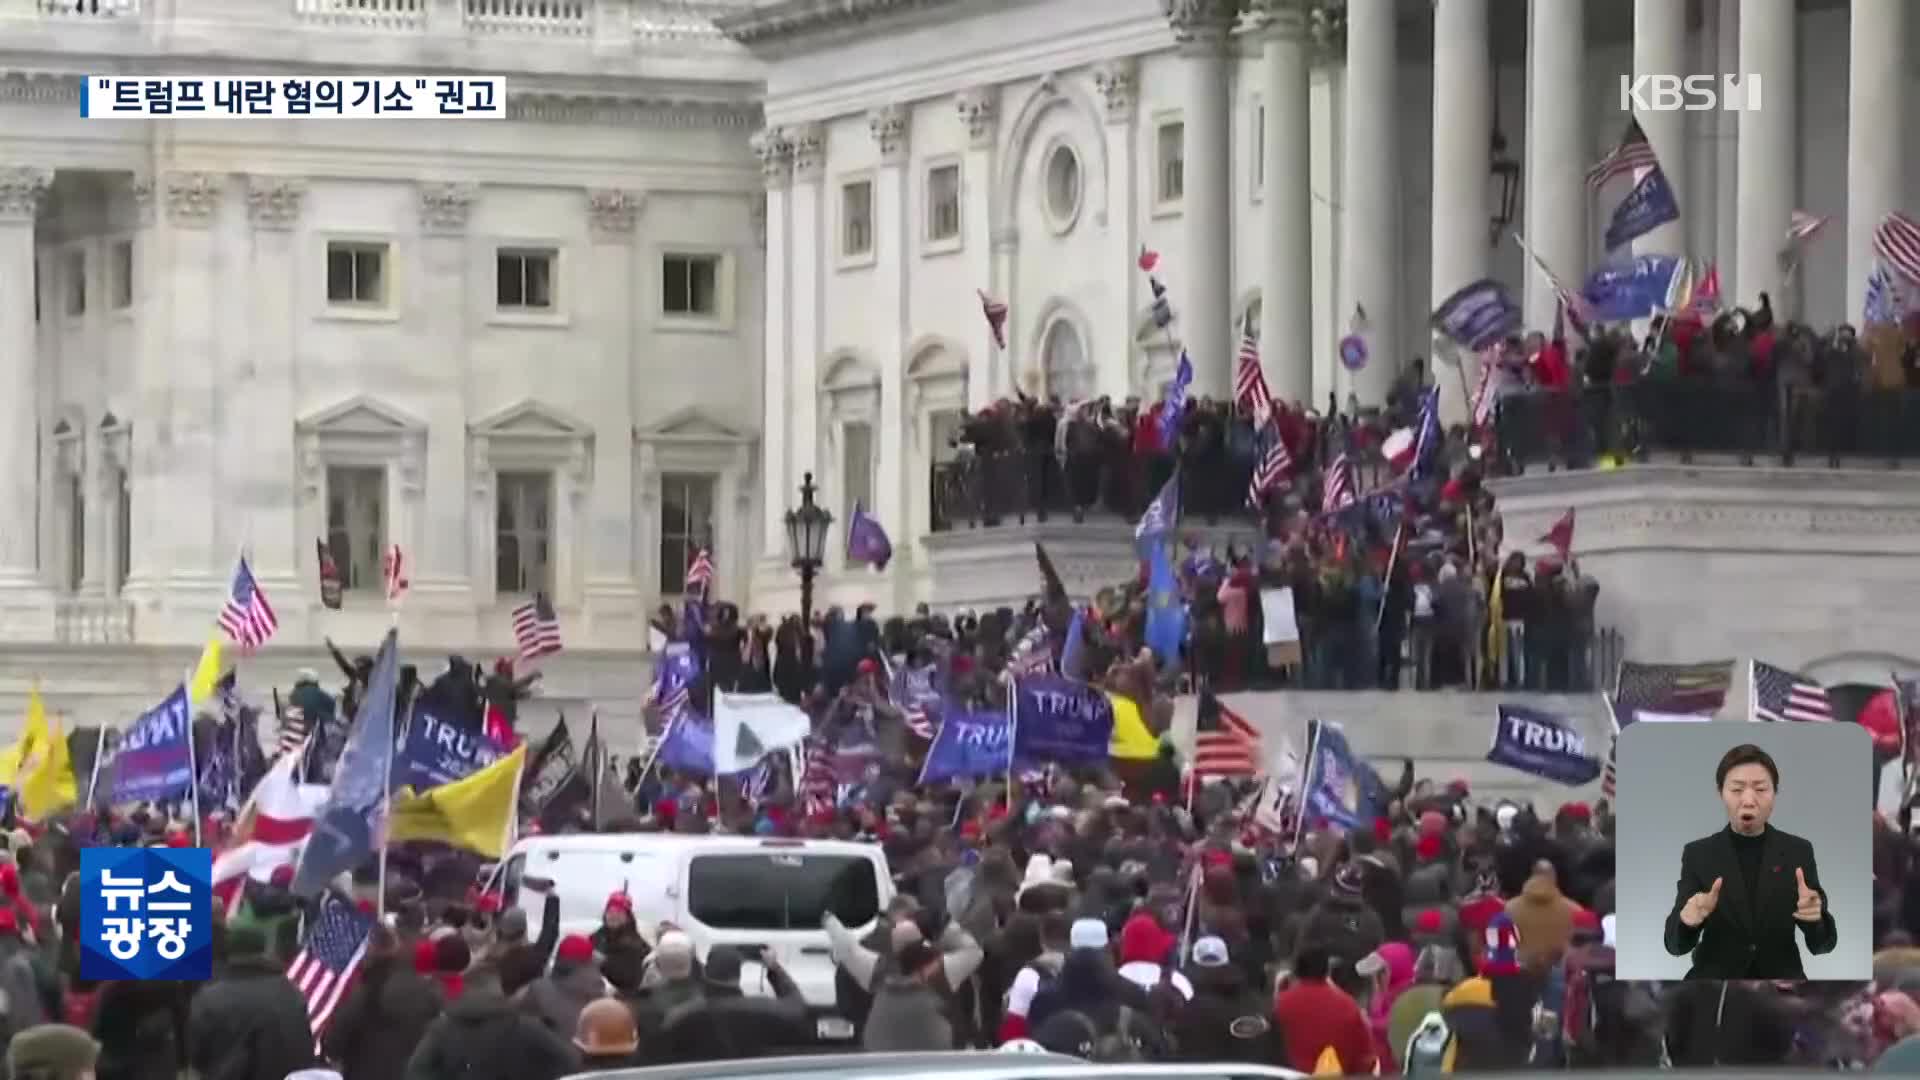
(1166,611)
(867,540)
(970,743)
(1648,206)
(1060,720)
(434,752)
(688,745)
(343,830)
(1341,786)
(1541,744)
(1478,315)
(1176,401)
(1161,516)
(155,759)
(1632,289)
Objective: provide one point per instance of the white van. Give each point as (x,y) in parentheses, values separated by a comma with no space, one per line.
(741,891)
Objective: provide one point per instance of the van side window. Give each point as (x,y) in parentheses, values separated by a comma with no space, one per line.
(780,892)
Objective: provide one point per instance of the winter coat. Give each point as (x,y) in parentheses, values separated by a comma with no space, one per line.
(556,1000)
(1542,921)
(1226,1020)
(723,1024)
(907,1015)
(250,1024)
(483,1037)
(142,1030)
(382,1019)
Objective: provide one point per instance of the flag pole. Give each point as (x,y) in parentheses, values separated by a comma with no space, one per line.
(386,788)
(93,774)
(1306,785)
(193,761)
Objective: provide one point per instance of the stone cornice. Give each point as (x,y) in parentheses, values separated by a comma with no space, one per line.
(786,20)
(536,106)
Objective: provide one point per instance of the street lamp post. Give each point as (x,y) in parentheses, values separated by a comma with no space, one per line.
(807,527)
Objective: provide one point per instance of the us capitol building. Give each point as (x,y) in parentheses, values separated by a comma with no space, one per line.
(716,245)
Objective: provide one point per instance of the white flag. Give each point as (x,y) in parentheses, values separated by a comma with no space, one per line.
(747,727)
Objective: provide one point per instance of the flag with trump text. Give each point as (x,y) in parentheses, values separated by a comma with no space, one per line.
(1542,744)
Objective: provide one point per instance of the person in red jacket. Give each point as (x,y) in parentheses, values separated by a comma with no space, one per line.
(1315,1016)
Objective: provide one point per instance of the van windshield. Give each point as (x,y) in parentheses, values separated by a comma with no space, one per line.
(781,891)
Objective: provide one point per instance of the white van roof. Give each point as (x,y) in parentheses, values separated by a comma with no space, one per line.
(678,841)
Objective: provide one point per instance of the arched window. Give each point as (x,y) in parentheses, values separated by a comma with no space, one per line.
(1064,359)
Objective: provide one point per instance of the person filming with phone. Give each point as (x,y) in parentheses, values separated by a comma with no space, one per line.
(1744,890)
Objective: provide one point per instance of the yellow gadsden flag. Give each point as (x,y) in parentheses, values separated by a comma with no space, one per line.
(206,674)
(38,765)
(474,814)
(1131,740)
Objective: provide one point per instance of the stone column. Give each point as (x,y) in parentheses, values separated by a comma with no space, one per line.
(886,310)
(1726,151)
(1372,264)
(1117,83)
(1286,286)
(610,592)
(264,452)
(454,571)
(1876,133)
(1660,48)
(811,247)
(1768,151)
(1462,137)
(21,191)
(979,112)
(776,169)
(1203,29)
(1558,151)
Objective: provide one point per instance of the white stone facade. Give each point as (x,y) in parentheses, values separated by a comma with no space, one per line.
(525,350)
(1283,157)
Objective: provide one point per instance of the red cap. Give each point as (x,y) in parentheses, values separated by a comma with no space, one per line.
(1427,848)
(423,956)
(868,667)
(1382,829)
(620,901)
(487,903)
(576,949)
(1430,922)
(9,879)
(178,839)
(282,876)
(367,907)
(1579,811)
(1458,786)
(1585,920)
(970,830)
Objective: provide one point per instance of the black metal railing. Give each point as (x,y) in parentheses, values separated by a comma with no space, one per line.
(1751,421)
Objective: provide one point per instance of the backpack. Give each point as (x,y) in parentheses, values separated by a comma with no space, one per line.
(1426,1052)
(1114,1045)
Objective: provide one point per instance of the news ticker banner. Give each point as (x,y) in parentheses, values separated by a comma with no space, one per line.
(270,97)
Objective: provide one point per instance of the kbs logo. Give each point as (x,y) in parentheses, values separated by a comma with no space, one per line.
(1691,93)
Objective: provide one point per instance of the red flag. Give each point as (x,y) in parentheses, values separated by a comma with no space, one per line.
(1149,259)
(996,313)
(1561,535)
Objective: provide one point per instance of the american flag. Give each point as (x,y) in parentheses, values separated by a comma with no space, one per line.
(1698,689)
(1897,241)
(1633,153)
(328,959)
(393,572)
(1578,310)
(292,734)
(1033,654)
(817,782)
(1340,492)
(1225,743)
(1485,397)
(536,629)
(996,313)
(1272,471)
(1780,696)
(1249,382)
(699,573)
(1801,226)
(1162,307)
(1610,774)
(247,618)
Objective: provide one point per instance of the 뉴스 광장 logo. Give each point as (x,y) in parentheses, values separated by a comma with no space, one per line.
(146,913)
(1689,93)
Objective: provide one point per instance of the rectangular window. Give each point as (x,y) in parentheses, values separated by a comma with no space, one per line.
(1170,168)
(356,523)
(686,526)
(523,280)
(856,219)
(120,276)
(74,270)
(943,203)
(780,891)
(1259,144)
(76,532)
(523,532)
(123,543)
(357,274)
(856,468)
(946,426)
(690,285)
